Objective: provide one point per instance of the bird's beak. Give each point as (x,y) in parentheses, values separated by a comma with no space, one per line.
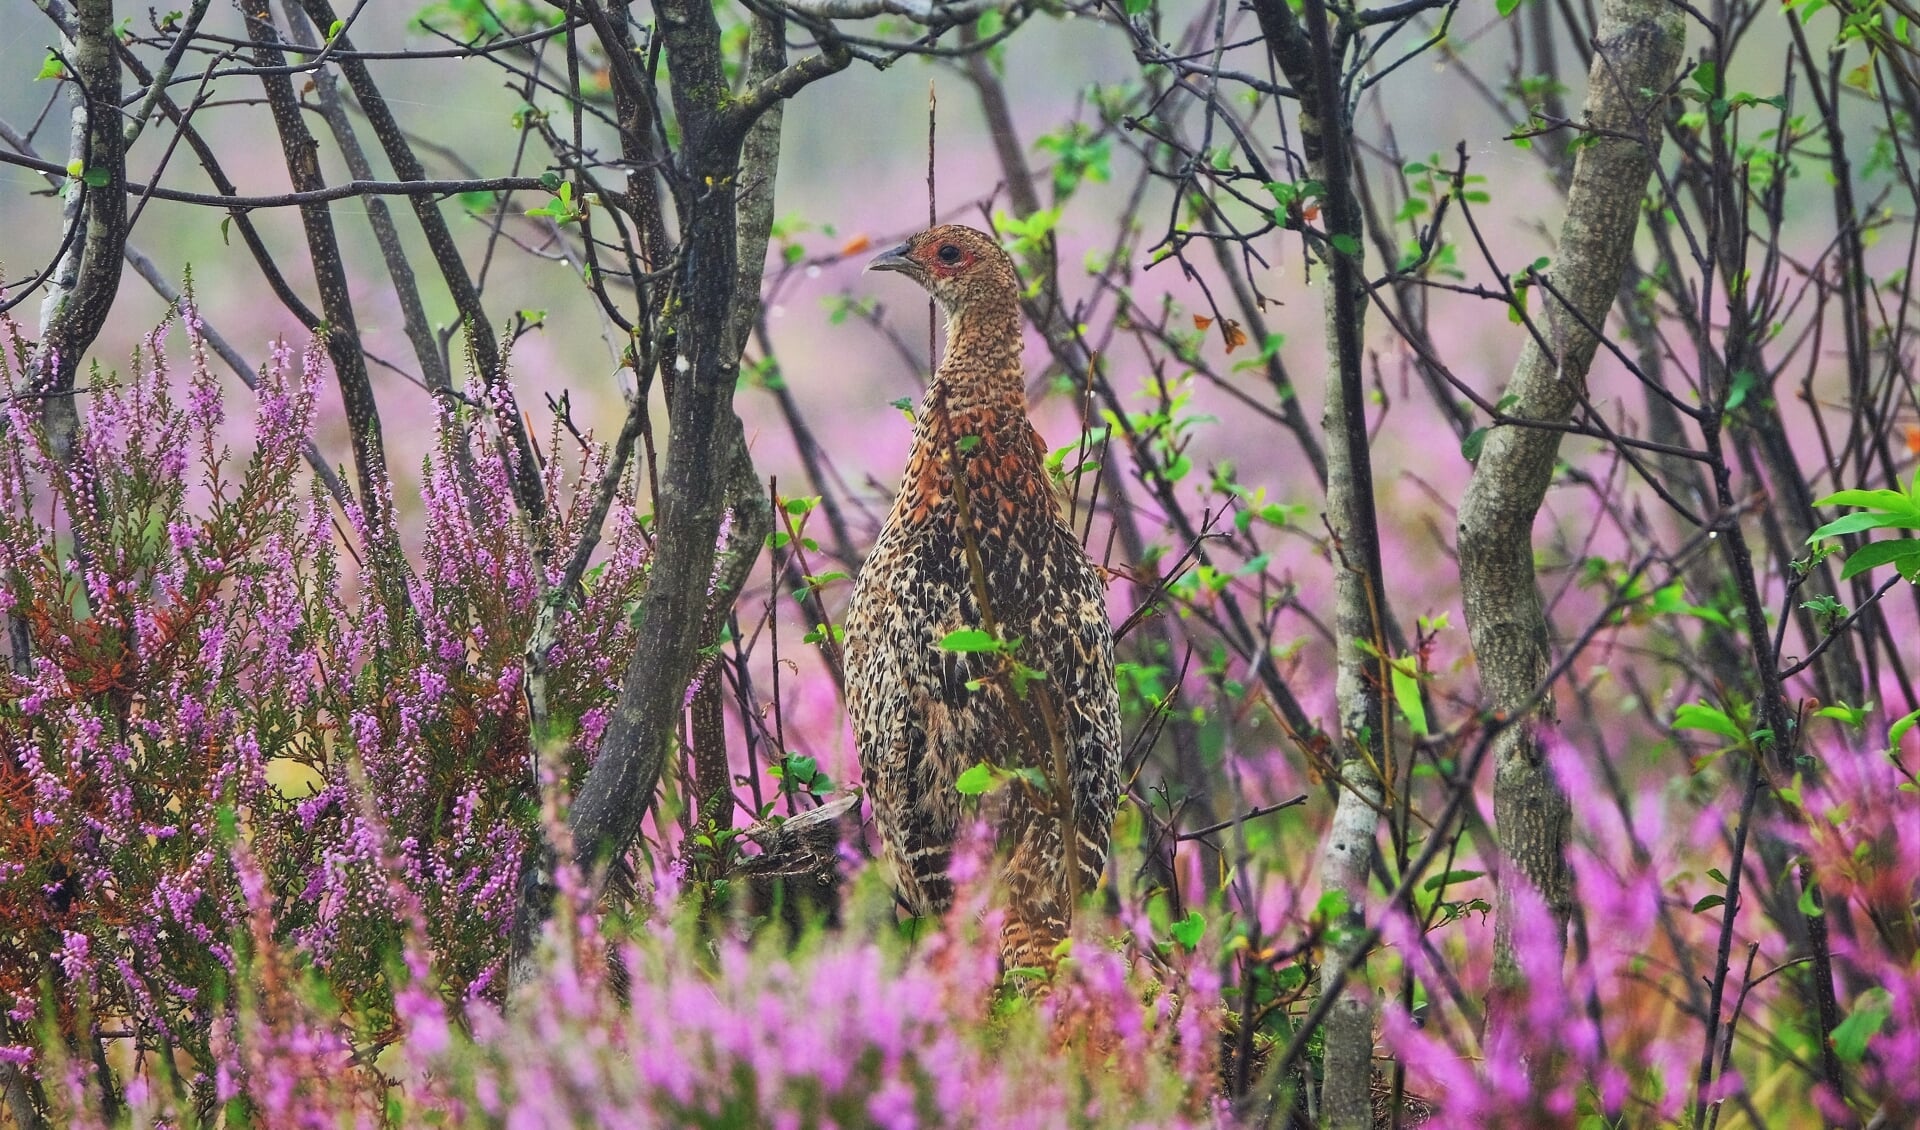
(893,259)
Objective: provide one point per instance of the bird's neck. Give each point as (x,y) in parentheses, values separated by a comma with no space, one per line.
(974,419)
(981,374)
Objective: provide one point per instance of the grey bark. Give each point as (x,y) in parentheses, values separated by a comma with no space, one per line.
(1310,50)
(87,276)
(1639,47)
(797,873)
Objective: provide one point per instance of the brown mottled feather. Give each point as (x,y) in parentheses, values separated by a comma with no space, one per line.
(917,724)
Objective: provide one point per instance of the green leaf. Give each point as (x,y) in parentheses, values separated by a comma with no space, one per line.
(1709,903)
(1406,696)
(970,639)
(1136,7)
(1893,500)
(1188,930)
(1861,520)
(52,68)
(334,30)
(1284,192)
(1700,716)
(1841,712)
(1899,729)
(1345,244)
(822,633)
(97,178)
(1850,1036)
(1743,381)
(804,772)
(1451,878)
(967,443)
(975,781)
(1903,553)
(1506,7)
(1470,446)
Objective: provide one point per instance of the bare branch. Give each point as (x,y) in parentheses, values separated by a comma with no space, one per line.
(928,12)
(342,191)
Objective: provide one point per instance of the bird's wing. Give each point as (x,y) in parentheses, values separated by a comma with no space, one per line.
(1092,717)
(900,695)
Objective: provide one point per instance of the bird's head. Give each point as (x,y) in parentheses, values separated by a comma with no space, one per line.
(959,266)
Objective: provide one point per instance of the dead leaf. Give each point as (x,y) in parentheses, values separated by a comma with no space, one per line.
(1310,212)
(1913,438)
(1236,337)
(1201,322)
(856,245)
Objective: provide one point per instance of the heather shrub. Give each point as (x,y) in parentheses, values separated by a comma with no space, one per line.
(1614,1037)
(208,672)
(838,1031)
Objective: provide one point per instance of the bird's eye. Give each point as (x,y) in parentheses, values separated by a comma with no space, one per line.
(949,254)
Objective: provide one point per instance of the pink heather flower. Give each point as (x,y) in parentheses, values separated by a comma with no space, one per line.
(893,1106)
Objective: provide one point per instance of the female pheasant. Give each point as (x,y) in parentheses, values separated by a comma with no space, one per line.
(975,540)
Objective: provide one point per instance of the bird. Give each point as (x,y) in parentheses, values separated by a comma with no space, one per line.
(976,543)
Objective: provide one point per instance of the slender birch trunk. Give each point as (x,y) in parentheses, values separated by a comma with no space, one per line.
(1310,48)
(1639,47)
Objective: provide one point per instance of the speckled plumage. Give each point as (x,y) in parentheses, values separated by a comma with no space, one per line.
(917,723)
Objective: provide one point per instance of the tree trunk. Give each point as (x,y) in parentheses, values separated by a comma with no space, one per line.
(708,472)
(94,217)
(1640,42)
(1310,50)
